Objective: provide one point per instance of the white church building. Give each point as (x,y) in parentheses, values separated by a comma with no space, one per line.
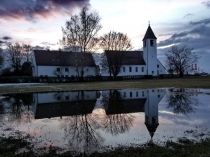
(140,62)
(69,63)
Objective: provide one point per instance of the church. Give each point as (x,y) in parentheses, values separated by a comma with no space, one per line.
(71,63)
(139,62)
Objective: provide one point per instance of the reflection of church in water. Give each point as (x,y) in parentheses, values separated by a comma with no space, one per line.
(70,103)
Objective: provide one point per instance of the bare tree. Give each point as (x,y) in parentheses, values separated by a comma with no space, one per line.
(114,44)
(181,102)
(15,57)
(81,31)
(26,50)
(115,41)
(113,61)
(116,121)
(81,129)
(180,59)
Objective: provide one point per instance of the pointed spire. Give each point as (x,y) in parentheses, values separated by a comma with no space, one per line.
(149,33)
(151,128)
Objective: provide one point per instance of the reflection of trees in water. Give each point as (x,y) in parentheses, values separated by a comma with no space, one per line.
(181,101)
(17,108)
(116,121)
(81,129)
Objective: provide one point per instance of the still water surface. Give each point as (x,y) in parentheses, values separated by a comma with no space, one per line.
(87,121)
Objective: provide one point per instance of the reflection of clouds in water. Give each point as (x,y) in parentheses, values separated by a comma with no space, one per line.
(107,127)
(200,115)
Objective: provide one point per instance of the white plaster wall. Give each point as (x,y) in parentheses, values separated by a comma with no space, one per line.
(154,94)
(150,57)
(49,71)
(127,72)
(61,96)
(161,68)
(151,106)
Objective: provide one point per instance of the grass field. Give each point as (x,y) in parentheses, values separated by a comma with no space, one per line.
(186,82)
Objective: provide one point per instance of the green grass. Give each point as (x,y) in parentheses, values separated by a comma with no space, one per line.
(186,82)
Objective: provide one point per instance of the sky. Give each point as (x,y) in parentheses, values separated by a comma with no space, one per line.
(40,22)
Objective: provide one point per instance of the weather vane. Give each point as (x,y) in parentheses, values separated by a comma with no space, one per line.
(149,22)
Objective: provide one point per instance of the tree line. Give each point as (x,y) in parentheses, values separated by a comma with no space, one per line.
(18,58)
(81,31)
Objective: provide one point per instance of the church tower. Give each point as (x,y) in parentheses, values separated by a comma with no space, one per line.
(150,52)
(151,112)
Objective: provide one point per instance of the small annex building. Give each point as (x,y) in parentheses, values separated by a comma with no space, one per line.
(63,64)
(139,62)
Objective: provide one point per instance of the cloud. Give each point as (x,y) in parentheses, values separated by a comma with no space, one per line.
(47,43)
(32,10)
(187,15)
(165,34)
(197,37)
(6,38)
(206,3)
(27,31)
(37,47)
(204,21)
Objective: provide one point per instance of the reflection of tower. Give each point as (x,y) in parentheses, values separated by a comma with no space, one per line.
(151,112)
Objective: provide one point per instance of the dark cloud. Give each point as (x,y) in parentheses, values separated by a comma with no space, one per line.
(198,37)
(187,15)
(37,47)
(206,3)
(6,38)
(47,43)
(1,42)
(34,9)
(165,34)
(204,21)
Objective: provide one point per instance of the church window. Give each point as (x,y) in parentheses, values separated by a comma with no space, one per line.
(145,43)
(66,69)
(152,72)
(87,69)
(124,94)
(130,69)
(136,69)
(130,94)
(58,69)
(67,97)
(137,94)
(58,98)
(158,66)
(151,42)
(142,69)
(123,69)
